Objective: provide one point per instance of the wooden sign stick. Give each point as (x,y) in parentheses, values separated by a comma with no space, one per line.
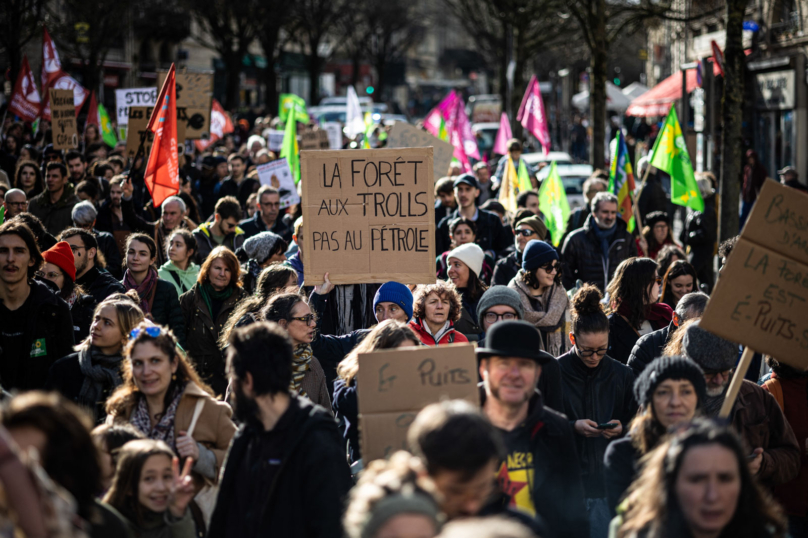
(735,384)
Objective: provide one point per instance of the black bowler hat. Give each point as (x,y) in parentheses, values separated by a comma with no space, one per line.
(513,339)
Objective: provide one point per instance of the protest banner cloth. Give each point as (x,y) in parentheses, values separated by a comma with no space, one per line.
(761,298)
(194,101)
(132,97)
(63,114)
(334,130)
(25,101)
(275,140)
(139,117)
(285,103)
(369,216)
(278,175)
(53,76)
(220,125)
(404,135)
(314,140)
(394,385)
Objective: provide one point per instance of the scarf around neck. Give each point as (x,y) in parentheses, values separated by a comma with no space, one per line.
(164,429)
(659,315)
(605,236)
(209,295)
(101,373)
(301,364)
(145,290)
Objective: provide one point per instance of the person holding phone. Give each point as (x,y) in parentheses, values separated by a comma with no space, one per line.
(598,399)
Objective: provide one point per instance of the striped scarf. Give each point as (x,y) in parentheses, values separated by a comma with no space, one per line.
(300,365)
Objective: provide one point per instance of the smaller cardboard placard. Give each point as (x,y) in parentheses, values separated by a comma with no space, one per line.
(312,140)
(334,130)
(63,119)
(275,140)
(394,385)
(277,174)
(137,125)
(133,97)
(404,135)
(194,101)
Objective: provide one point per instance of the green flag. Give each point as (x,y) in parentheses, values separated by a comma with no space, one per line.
(289,101)
(553,204)
(524,177)
(107,134)
(670,155)
(289,147)
(2,214)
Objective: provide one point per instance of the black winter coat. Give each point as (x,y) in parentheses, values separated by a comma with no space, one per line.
(584,260)
(48,323)
(100,284)
(66,377)
(491,234)
(82,315)
(649,347)
(166,309)
(507,268)
(557,492)
(700,234)
(307,496)
(255,225)
(109,248)
(621,466)
(600,394)
(622,338)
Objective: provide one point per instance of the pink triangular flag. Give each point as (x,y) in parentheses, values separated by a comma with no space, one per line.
(503,135)
(532,116)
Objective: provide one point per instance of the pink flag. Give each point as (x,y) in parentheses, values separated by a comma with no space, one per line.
(532,116)
(457,120)
(503,135)
(25,99)
(440,112)
(220,125)
(53,76)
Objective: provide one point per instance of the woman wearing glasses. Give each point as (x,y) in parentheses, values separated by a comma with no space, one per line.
(206,308)
(598,399)
(60,269)
(162,395)
(543,297)
(634,309)
(292,312)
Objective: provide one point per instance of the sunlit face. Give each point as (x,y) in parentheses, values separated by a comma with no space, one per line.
(138,257)
(437,309)
(80,254)
(105,331)
(681,286)
(15,259)
(674,401)
(16,203)
(299,331)
(524,234)
(466,195)
(546,274)
(292,283)
(497,313)
(407,526)
(594,188)
(660,232)
(465,497)
(606,215)
(708,488)
(27,178)
(510,380)
(483,174)
(54,273)
(152,369)
(463,235)
(532,203)
(591,347)
(447,199)
(177,250)
(458,273)
(227,225)
(388,310)
(653,290)
(717,382)
(156,480)
(172,215)
(270,206)
(219,274)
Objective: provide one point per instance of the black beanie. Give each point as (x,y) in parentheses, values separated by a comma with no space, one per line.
(662,368)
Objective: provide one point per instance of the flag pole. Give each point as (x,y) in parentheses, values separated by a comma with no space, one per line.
(3,125)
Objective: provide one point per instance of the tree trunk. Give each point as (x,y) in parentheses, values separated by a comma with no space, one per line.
(518,82)
(732,118)
(378,94)
(271,82)
(597,93)
(315,64)
(233,73)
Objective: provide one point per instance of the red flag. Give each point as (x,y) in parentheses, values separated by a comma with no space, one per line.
(92,114)
(532,116)
(162,171)
(25,99)
(718,56)
(53,76)
(220,125)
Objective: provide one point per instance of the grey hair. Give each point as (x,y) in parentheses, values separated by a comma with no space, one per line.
(595,181)
(84,214)
(602,197)
(175,199)
(692,305)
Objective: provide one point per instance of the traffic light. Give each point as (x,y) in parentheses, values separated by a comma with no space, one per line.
(370,90)
(616,81)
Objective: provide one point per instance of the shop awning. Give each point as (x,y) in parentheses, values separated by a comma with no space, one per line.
(658,100)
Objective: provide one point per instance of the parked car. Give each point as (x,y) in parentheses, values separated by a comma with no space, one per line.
(560,157)
(486,134)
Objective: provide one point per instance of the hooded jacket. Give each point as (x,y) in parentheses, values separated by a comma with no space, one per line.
(100,284)
(451,336)
(584,260)
(557,492)
(307,494)
(183,279)
(600,394)
(205,242)
(56,217)
(491,234)
(649,347)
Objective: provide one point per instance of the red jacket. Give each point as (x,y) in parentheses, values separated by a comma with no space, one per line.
(449,337)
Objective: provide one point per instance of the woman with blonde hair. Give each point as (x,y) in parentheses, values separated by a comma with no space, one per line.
(88,376)
(389,334)
(206,308)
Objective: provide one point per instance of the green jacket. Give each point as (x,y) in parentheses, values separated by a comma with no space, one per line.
(205,242)
(55,217)
(182,280)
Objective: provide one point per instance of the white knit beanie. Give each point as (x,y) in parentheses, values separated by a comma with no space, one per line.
(471,254)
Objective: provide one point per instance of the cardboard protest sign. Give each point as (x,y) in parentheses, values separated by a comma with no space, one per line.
(278,175)
(137,122)
(334,130)
(274,140)
(63,119)
(394,385)
(404,135)
(194,98)
(314,140)
(761,299)
(133,97)
(369,215)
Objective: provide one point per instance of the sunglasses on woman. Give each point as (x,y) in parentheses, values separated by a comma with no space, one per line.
(152,330)
(551,267)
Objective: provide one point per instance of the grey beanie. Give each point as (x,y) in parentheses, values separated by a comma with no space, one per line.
(709,351)
(500,295)
(259,247)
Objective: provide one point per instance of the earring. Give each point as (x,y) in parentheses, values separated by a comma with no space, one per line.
(173,377)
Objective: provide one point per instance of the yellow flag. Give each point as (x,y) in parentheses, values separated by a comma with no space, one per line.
(509,186)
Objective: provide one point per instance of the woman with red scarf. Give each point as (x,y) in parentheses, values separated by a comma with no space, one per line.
(634,309)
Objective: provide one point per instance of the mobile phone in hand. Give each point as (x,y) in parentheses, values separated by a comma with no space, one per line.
(607,426)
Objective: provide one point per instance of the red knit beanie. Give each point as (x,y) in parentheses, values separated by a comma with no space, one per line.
(61,255)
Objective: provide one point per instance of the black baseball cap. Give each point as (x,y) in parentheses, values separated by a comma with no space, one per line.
(468,179)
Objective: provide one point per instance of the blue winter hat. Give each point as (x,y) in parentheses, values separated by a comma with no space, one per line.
(394,292)
(536,254)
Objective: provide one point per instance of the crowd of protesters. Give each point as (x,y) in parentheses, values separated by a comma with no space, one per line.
(165,372)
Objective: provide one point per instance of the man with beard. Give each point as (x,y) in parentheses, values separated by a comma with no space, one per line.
(90,273)
(593,253)
(774,453)
(286,471)
(35,325)
(110,214)
(540,474)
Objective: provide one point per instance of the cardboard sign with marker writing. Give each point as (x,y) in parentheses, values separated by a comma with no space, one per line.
(314,140)
(133,97)
(276,174)
(194,99)
(761,300)
(63,116)
(404,135)
(394,385)
(368,216)
(138,121)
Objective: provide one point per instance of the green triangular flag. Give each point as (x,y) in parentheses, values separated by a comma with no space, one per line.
(553,204)
(670,155)
(289,147)
(289,101)
(107,134)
